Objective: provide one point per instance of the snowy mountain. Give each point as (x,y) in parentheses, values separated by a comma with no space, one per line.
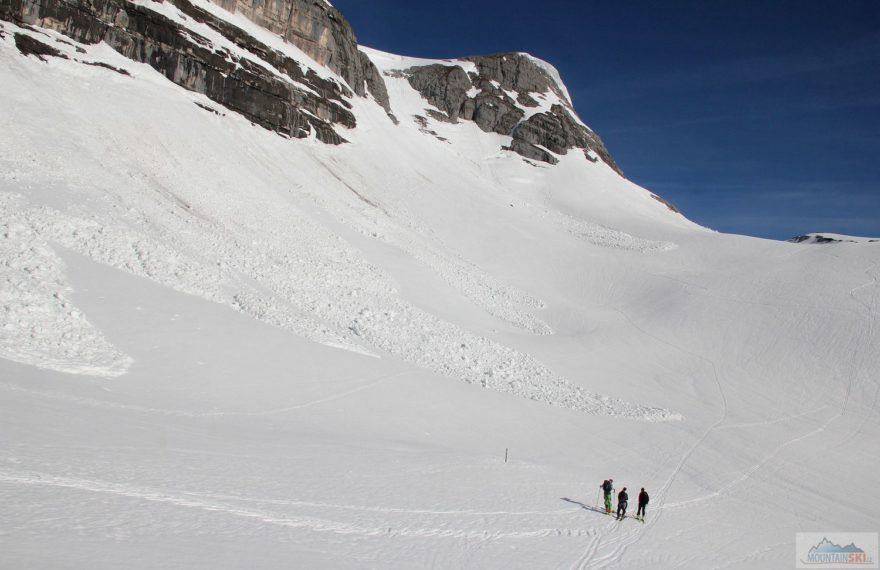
(270,298)
(831,238)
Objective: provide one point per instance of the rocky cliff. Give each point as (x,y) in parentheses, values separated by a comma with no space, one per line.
(510,94)
(323,33)
(228,65)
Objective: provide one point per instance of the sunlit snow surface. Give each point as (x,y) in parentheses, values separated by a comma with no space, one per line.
(224,349)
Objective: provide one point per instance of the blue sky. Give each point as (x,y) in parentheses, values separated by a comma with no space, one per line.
(754,117)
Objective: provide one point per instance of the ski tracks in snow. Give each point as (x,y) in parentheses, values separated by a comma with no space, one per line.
(862,350)
(723,397)
(747,474)
(104,404)
(370,522)
(620,544)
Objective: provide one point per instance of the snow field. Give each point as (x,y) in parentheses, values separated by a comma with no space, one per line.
(334,417)
(202,235)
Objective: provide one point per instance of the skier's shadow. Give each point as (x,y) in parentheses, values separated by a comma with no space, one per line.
(583,505)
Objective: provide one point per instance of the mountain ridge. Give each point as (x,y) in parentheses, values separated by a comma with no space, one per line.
(274,89)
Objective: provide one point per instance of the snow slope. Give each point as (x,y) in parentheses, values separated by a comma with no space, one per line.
(225,349)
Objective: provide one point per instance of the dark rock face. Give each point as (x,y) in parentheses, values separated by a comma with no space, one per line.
(449,88)
(820,239)
(30,46)
(495,112)
(443,86)
(555,131)
(241,84)
(817,238)
(376,84)
(323,33)
(531,151)
(516,72)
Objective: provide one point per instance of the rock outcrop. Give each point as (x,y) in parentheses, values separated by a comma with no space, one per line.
(517,72)
(445,87)
(502,97)
(824,239)
(30,46)
(241,77)
(323,33)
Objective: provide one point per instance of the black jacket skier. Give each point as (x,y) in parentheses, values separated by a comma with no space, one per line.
(643,502)
(622,500)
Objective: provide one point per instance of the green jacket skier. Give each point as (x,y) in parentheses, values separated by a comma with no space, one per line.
(607,488)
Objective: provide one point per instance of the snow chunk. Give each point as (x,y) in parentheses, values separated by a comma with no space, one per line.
(41,326)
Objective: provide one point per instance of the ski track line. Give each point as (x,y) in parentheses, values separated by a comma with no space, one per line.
(857,353)
(776,421)
(332,398)
(595,543)
(752,470)
(94,402)
(592,546)
(619,543)
(300,523)
(710,429)
(872,316)
(587,560)
(375,509)
(616,554)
